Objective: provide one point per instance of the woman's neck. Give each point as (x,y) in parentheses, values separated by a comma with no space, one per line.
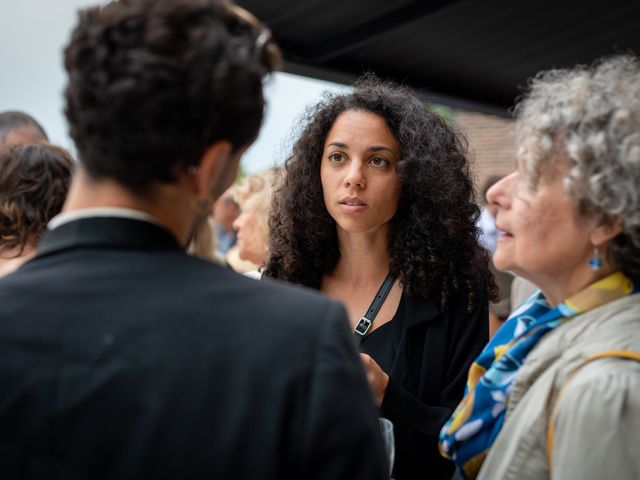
(364,258)
(363,266)
(557,292)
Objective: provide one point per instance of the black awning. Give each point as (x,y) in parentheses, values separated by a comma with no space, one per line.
(471,54)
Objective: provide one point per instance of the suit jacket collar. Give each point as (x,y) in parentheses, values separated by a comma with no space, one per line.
(107,232)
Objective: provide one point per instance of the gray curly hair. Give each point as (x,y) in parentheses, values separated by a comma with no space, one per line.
(593,114)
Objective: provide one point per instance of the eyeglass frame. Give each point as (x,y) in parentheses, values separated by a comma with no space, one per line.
(249,19)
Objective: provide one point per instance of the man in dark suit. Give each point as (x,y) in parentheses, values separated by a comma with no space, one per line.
(120,355)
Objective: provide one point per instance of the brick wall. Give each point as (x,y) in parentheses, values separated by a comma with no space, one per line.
(491,143)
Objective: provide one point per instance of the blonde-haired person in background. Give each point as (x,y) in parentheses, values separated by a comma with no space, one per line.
(203,243)
(253,194)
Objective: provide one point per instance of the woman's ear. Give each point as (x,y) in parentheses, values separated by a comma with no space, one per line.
(606,231)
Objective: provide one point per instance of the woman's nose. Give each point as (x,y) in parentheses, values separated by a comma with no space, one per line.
(237,223)
(498,194)
(355,175)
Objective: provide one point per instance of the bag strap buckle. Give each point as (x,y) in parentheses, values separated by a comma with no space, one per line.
(363,326)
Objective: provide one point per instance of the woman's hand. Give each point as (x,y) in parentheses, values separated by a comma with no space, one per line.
(378,380)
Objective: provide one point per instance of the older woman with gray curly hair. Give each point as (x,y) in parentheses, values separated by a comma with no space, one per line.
(555,393)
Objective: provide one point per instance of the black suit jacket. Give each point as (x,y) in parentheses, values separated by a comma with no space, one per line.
(122,357)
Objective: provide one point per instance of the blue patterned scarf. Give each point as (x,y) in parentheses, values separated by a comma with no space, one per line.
(473,427)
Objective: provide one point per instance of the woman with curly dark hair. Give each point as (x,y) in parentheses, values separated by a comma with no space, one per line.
(34,180)
(377,191)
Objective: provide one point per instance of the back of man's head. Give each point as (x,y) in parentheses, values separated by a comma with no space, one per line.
(19,127)
(153,83)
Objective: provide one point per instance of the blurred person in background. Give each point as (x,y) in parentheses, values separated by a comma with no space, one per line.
(555,394)
(225,211)
(203,242)
(19,127)
(377,207)
(34,180)
(253,194)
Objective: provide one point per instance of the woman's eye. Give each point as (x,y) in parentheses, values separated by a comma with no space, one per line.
(336,157)
(380,162)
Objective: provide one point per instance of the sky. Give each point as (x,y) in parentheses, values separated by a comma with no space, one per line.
(33,34)
(287,98)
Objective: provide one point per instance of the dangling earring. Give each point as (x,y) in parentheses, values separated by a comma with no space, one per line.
(595,262)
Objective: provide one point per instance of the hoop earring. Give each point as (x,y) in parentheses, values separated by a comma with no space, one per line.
(595,262)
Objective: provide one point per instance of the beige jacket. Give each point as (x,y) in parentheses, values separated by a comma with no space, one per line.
(597,428)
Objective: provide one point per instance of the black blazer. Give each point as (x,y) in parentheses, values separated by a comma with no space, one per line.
(427,378)
(122,357)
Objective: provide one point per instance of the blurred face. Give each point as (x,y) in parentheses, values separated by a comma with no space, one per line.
(225,210)
(221,169)
(251,240)
(543,237)
(358,172)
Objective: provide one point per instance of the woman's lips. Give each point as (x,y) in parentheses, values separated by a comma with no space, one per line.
(504,235)
(352,208)
(352,205)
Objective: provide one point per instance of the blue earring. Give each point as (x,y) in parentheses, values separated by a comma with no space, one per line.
(595,262)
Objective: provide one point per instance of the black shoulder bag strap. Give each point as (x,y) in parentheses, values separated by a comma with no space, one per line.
(365,322)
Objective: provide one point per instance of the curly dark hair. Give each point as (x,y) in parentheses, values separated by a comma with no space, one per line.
(34,180)
(433,243)
(153,83)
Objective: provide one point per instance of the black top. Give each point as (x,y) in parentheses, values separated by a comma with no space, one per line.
(121,357)
(427,356)
(382,343)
